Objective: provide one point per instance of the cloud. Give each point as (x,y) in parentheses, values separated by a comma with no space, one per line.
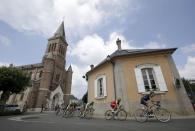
(43,16)
(5,41)
(4,64)
(79,84)
(188,70)
(154,45)
(92,49)
(188,49)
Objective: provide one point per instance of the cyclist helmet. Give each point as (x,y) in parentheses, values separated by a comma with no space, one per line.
(118,100)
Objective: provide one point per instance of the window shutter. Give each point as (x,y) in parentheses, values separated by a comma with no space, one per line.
(139,79)
(104,85)
(160,79)
(95,88)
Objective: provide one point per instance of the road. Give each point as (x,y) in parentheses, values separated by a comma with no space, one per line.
(50,122)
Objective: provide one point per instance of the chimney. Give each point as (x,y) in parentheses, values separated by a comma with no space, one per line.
(118,42)
(92,66)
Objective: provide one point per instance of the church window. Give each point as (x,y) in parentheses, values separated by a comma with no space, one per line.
(40,74)
(49,48)
(55,46)
(57,77)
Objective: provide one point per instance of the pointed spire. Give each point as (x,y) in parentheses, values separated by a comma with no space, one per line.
(60,31)
(70,68)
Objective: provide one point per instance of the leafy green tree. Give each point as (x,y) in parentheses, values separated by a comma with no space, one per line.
(12,80)
(85,97)
(190,89)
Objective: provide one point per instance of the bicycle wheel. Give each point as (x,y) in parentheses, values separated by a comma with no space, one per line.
(122,115)
(108,115)
(88,114)
(57,112)
(68,113)
(162,115)
(140,115)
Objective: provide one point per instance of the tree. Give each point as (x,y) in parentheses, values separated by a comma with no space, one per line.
(12,80)
(85,97)
(190,89)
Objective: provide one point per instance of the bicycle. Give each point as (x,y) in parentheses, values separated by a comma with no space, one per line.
(155,110)
(120,113)
(60,111)
(87,111)
(69,111)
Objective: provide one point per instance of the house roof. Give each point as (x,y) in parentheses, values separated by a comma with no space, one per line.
(131,52)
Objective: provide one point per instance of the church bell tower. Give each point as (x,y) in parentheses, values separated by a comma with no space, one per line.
(53,64)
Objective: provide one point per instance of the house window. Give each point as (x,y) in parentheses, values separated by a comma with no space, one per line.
(100,87)
(149,79)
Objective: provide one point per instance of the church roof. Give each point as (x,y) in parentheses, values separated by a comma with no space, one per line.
(70,68)
(131,52)
(30,66)
(60,31)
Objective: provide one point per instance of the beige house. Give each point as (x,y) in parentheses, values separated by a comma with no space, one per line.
(51,81)
(131,73)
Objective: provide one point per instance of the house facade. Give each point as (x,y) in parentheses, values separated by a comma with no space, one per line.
(130,74)
(50,80)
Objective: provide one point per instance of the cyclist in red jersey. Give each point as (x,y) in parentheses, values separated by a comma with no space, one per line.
(115,104)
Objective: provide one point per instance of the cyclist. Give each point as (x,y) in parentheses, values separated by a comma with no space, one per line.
(115,104)
(146,98)
(88,105)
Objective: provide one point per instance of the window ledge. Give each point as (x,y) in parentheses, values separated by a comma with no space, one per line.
(101,97)
(156,92)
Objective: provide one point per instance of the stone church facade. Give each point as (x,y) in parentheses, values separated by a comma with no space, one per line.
(50,81)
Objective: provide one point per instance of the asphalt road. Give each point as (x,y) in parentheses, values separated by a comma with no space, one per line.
(50,122)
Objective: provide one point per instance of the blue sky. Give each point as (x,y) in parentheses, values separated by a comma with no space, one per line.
(92,27)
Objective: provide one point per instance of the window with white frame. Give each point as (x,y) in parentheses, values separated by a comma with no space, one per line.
(100,87)
(150,77)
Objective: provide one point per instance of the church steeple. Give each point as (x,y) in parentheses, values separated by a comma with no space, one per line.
(57,45)
(60,31)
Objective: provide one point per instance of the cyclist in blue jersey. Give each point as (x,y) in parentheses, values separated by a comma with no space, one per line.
(146,98)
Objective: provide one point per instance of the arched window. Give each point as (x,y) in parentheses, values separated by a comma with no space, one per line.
(49,48)
(52,47)
(40,74)
(55,46)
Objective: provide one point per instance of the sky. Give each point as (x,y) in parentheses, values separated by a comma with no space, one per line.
(92,28)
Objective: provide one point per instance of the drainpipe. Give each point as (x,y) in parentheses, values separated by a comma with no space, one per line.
(113,67)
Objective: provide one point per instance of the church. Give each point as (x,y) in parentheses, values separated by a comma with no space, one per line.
(50,80)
